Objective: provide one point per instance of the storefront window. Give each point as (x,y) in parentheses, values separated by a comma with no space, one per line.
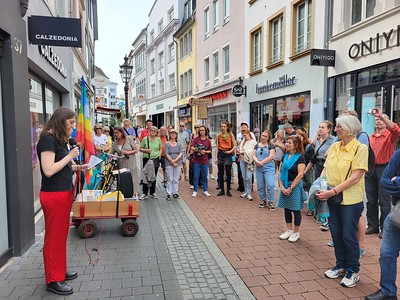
(51,101)
(379,74)
(221,113)
(294,110)
(345,91)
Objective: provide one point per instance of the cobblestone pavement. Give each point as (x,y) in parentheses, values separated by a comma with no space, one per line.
(171,257)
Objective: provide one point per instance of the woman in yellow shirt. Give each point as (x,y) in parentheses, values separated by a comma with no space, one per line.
(344,169)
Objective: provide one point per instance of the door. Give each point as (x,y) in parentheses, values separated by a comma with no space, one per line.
(262,117)
(386,97)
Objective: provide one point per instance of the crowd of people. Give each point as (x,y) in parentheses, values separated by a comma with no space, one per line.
(333,176)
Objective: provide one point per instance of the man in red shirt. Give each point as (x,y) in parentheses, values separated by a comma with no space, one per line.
(383,142)
(146,131)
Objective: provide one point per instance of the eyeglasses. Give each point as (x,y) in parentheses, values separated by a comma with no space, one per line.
(153,130)
(106,130)
(196,127)
(181,125)
(98,128)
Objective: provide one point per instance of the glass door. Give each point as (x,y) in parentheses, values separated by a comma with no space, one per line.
(262,117)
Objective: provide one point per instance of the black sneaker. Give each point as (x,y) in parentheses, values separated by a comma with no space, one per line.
(271,206)
(176,196)
(262,204)
(168,197)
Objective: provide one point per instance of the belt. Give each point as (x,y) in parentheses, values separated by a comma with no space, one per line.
(381,165)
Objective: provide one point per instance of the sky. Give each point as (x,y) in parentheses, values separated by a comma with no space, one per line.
(120,22)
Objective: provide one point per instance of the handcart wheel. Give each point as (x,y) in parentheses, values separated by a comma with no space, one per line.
(87,229)
(129,227)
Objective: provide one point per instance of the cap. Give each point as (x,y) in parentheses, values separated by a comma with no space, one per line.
(244,123)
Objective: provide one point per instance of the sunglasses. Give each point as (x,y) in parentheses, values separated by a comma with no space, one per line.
(183,126)
(106,130)
(98,128)
(196,127)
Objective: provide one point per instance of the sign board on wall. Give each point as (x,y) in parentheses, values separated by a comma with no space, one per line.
(202,101)
(202,112)
(55,31)
(322,57)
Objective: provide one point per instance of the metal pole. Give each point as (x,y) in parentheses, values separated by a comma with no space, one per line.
(126,88)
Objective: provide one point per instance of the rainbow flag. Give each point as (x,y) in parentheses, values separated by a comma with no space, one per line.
(84,134)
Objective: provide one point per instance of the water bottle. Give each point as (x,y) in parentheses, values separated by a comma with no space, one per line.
(323,184)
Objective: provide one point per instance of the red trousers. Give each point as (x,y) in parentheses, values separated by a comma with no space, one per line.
(56,208)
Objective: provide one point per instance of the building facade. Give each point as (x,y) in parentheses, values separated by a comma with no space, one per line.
(164,19)
(185,40)
(281,85)
(219,58)
(366,38)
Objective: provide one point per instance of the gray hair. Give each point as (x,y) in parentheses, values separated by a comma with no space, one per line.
(154,127)
(350,123)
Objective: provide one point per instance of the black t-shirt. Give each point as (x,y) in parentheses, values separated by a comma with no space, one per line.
(293,171)
(61,181)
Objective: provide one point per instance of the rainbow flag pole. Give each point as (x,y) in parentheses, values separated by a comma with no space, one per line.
(84,134)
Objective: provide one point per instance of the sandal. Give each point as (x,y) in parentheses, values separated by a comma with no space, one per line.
(310,213)
(187,178)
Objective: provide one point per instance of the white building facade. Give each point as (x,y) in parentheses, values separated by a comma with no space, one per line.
(281,85)
(366,38)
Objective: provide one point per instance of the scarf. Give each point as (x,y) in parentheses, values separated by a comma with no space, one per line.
(286,166)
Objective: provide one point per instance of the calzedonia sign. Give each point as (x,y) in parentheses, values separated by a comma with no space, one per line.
(55,31)
(282,82)
(48,53)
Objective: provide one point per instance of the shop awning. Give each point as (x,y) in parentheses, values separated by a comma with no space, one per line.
(108,111)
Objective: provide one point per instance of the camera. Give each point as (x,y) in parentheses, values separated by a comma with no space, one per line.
(198,148)
(372,111)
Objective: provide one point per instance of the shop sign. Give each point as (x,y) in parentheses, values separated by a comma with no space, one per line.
(282,82)
(160,106)
(202,101)
(375,44)
(48,53)
(55,31)
(239,90)
(322,57)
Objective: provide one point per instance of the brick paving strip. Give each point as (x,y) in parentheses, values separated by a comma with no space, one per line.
(271,268)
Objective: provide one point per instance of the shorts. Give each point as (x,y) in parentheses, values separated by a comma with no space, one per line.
(184,156)
(162,162)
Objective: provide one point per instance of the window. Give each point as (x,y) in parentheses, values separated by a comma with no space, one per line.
(171,52)
(162,86)
(206,22)
(227,8)
(255,54)
(153,90)
(303,26)
(172,82)
(216,70)
(161,60)
(181,86)
(225,52)
(141,88)
(171,14)
(187,9)
(216,15)
(160,26)
(152,66)
(139,62)
(207,71)
(152,35)
(186,81)
(186,44)
(362,9)
(276,27)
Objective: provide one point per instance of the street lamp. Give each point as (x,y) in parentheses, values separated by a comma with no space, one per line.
(126,71)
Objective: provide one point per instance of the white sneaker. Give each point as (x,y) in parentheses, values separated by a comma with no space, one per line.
(194,194)
(143,196)
(191,187)
(294,237)
(335,272)
(212,176)
(154,196)
(286,235)
(244,195)
(350,279)
(249,197)
(207,194)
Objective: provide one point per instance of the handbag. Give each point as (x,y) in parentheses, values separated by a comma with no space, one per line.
(395,215)
(338,198)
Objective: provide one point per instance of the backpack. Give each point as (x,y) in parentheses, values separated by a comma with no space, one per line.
(371,156)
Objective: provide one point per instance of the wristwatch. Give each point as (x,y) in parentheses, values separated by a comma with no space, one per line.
(384,116)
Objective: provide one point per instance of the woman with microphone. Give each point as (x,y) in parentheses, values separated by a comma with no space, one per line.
(56,196)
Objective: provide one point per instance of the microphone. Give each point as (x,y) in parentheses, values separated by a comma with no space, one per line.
(72,142)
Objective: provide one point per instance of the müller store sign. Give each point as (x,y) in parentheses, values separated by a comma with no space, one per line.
(282,82)
(375,44)
(55,31)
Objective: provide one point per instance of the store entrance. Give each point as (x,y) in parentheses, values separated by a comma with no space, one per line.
(386,97)
(262,116)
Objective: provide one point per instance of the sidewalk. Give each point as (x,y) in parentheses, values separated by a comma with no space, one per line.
(273,269)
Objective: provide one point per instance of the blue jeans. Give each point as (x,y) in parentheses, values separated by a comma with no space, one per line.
(197,168)
(265,181)
(247,177)
(343,224)
(390,248)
